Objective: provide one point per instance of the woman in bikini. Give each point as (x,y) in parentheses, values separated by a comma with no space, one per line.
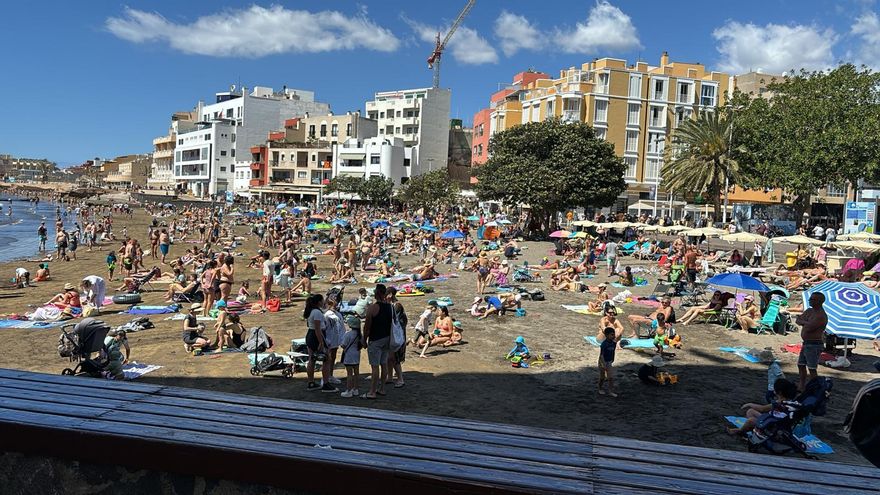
(227,277)
(442,334)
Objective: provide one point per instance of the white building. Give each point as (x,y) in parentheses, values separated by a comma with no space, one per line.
(370,157)
(161,172)
(239,119)
(419,117)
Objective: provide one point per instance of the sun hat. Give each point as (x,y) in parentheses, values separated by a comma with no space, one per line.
(221,303)
(766,356)
(353,321)
(519,340)
(195,306)
(69,286)
(602,285)
(657,362)
(456,324)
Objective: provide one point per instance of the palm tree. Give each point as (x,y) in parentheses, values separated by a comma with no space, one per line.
(699,159)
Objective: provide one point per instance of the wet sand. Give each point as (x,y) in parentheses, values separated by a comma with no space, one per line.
(471,380)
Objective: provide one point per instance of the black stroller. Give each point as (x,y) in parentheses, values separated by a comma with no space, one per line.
(86,338)
(775,431)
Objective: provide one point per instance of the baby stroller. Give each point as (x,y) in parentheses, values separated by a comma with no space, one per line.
(525,275)
(774,431)
(86,338)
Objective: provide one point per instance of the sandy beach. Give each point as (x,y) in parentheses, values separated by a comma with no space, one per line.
(472,380)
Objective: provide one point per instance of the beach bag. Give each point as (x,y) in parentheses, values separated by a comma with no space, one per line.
(536,295)
(273,305)
(90,310)
(398,335)
(861,423)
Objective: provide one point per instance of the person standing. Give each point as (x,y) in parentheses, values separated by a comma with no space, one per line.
(611,257)
(757,254)
(813,322)
(164,244)
(377,340)
(268,276)
(398,356)
(42,233)
(606,359)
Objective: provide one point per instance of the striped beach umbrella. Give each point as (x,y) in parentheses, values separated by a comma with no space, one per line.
(853,309)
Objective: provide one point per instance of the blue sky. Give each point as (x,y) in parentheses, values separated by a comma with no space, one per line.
(101,78)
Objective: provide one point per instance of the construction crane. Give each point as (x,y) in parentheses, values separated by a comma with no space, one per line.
(434,59)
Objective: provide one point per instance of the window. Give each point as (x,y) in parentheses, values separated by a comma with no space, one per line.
(374,159)
(381,115)
(323,130)
(681,115)
(479,150)
(314,158)
(334,130)
(707,95)
(233,137)
(238,112)
(524,118)
(207,137)
(657,116)
(536,112)
(223,169)
(180,141)
(601,132)
(398,113)
(631,163)
(835,191)
(233,151)
(601,111)
(685,92)
(656,142)
(632,115)
(381,131)
(635,86)
(652,169)
(311,131)
(222,152)
(302,175)
(632,141)
(228,113)
(602,82)
(550,113)
(397,130)
(348,129)
(659,90)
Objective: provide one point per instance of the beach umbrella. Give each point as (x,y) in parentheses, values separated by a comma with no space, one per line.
(744,237)
(579,235)
(853,309)
(860,236)
(319,226)
(737,281)
(379,223)
(473,218)
(865,247)
(584,223)
(674,228)
(559,234)
(504,221)
(280,205)
(493,223)
(429,228)
(340,222)
(251,214)
(166,205)
(277,217)
(798,239)
(453,234)
(706,231)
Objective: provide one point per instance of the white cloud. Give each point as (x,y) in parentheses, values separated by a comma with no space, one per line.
(256,32)
(516,33)
(867,28)
(774,48)
(607,29)
(466,45)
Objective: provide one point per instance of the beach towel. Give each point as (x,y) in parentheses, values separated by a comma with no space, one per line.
(585,310)
(814,445)
(135,370)
(653,303)
(181,316)
(638,283)
(220,351)
(152,310)
(742,352)
(631,343)
(30,324)
(410,294)
(792,348)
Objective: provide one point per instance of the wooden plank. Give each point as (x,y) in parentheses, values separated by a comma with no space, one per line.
(179,441)
(29,376)
(458,453)
(739,458)
(57,397)
(767,470)
(75,391)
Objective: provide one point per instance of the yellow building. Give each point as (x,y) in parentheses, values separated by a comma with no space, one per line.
(635,107)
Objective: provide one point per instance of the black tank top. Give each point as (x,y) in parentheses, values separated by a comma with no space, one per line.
(381,324)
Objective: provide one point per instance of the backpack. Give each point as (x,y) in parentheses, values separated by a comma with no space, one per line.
(536,295)
(398,334)
(271,362)
(861,423)
(273,305)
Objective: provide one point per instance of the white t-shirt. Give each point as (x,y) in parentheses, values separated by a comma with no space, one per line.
(268,268)
(424,319)
(317,316)
(20,272)
(818,231)
(351,355)
(335,328)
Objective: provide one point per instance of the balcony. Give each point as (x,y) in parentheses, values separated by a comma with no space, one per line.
(163,154)
(164,140)
(257,166)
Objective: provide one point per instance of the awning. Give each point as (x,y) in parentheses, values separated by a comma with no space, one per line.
(352,155)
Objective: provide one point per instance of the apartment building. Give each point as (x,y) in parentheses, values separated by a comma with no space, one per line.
(376,156)
(129,171)
(161,171)
(504,111)
(296,161)
(221,141)
(420,118)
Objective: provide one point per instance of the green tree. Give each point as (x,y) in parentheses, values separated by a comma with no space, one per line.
(345,184)
(432,191)
(377,189)
(816,129)
(699,159)
(551,166)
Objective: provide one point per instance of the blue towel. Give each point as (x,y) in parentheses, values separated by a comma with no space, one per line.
(632,343)
(152,310)
(742,352)
(814,445)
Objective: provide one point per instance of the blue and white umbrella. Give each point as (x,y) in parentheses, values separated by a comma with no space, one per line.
(453,234)
(379,223)
(853,309)
(737,281)
(281,205)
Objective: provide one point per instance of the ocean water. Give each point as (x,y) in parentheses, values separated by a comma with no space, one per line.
(18,232)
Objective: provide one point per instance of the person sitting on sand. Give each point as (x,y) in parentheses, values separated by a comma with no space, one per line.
(68,299)
(747,314)
(175,288)
(665,308)
(443,332)
(42,273)
(625,278)
(243,292)
(601,298)
(304,286)
(345,276)
(609,320)
(193,340)
(568,280)
(784,389)
(714,304)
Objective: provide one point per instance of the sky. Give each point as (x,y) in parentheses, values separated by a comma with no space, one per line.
(102,78)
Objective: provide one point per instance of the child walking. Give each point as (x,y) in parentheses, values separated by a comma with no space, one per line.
(606,359)
(351,355)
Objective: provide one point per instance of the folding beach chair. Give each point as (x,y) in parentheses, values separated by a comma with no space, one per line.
(768,321)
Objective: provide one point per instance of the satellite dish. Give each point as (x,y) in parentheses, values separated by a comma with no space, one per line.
(232,88)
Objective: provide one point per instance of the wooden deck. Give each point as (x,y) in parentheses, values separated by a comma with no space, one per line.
(325,448)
